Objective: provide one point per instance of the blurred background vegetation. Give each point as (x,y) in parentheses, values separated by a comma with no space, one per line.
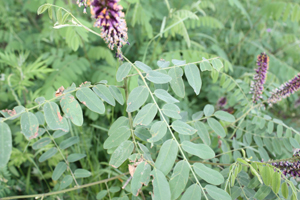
(36,59)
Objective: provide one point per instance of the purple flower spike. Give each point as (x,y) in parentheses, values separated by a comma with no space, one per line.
(109,17)
(291,168)
(285,90)
(259,78)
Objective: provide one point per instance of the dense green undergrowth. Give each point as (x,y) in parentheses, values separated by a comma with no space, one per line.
(173,119)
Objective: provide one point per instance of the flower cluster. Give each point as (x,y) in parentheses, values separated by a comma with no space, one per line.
(285,90)
(289,168)
(110,18)
(259,78)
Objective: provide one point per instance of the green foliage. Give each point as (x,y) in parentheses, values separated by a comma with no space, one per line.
(176,113)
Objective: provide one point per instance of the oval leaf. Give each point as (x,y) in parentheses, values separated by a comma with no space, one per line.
(142,66)
(29,125)
(161,188)
(208,110)
(171,110)
(117,137)
(146,115)
(5,144)
(59,170)
(183,128)
(69,142)
(179,178)
(157,77)
(90,100)
(216,127)
(53,117)
(41,143)
(72,109)
(201,150)
(203,132)
(67,180)
(75,156)
(177,84)
(123,71)
(82,173)
(167,156)
(103,92)
(121,121)
(48,154)
(116,92)
(192,74)
(158,130)
(217,193)
(165,96)
(225,116)
(140,177)
(193,192)
(137,98)
(209,175)
(121,154)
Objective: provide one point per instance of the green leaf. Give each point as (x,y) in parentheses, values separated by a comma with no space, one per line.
(165,96)
(163,63)
(53,117)
(40,100)
(171,110)
(177,84)
(201,150)
(279,130)
(161,188)
(69,142)
(117,137)
(82,173)
(59,133)
(29,125)
(121,121)
(266,174)
(205,66)
(202,132)
(209,175)
(41,118)
(103,92)
(217,193)
(50,12)
(262,192)
(72,109)
(41,143)
(101,194)
(183,128)
(116,94)
(263,153)
(5,144)
(137,98)
(123,71)
(142,66)
(75,157)
(179,178)
(208,110)
(216,127)
(140,177)
(167,156)
(158,130)
(48,154)
(294,143)
(59,170)
(192,74)
(284,190)
(14,113)
(277,146)
(178,62)
(42,9)
(65,17)
(146,115)
(158,77)
(276,180)
(193,192)
(217,64)
(67,180)
(121,154)
(59,16)
(90,100)
(225,116)
(270,127)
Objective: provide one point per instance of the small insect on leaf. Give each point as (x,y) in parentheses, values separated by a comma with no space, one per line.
(59,91)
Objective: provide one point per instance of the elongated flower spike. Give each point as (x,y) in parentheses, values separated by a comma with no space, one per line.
(285,90)
(110,18)
(259,78)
